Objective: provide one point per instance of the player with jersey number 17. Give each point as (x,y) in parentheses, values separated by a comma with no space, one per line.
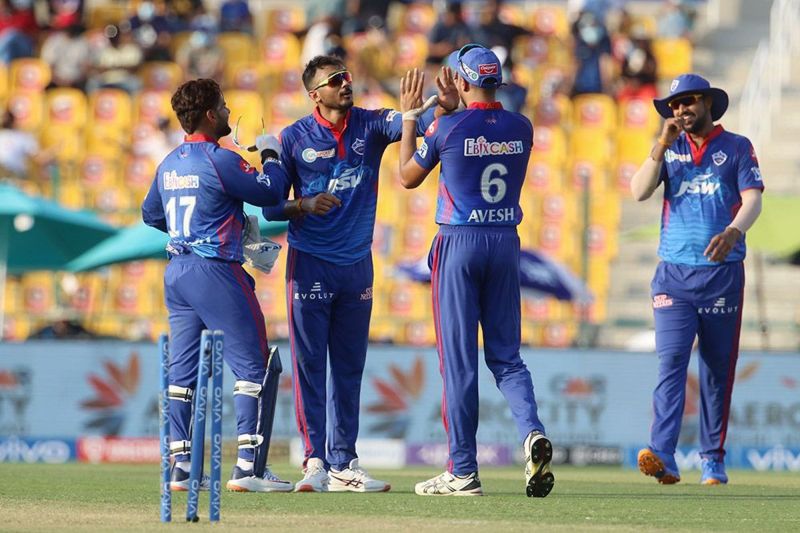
(712,196)
(474,260)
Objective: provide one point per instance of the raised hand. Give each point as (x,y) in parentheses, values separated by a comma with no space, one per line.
(411,90)
(446,88)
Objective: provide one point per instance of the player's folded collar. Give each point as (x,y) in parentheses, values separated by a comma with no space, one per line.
(687,84)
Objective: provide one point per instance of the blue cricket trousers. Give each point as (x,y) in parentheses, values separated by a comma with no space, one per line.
(475,279)
(329,308)
(212,294)
(702,302)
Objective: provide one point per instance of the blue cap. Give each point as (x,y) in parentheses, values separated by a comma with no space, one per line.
(478,65)
(693,84)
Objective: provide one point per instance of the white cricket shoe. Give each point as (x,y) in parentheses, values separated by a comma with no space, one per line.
(355,479)
(179,480)
(315,478)
(446,484)
(538,454)
(246,481)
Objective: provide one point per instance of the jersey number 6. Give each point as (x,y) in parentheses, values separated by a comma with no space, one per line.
(493,188)
(184,201)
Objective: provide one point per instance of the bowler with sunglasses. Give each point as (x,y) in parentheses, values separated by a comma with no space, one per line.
(712,196)
(475,278)
(331,159)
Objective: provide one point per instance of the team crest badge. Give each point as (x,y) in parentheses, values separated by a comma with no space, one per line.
(358,146)
(719,157)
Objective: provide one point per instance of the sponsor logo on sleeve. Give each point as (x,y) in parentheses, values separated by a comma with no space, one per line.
(246,167)
(480,147)
(671,156)
(661,300)
(423,149)
(719,158)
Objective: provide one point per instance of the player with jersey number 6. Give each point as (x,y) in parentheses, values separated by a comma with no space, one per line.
(712,196)
(196,197)
(474,260)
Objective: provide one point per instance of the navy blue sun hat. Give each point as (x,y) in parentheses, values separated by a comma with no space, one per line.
(693,84)
(478,65)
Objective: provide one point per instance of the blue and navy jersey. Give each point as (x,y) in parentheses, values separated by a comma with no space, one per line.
(196,197)
(484,152)
(316,158)
(702,194)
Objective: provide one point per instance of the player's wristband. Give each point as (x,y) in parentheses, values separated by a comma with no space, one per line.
(664,143)
(268,153)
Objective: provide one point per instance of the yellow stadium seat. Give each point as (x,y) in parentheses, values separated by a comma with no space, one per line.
(560,207)
(139,173)
(549,144)
(280,51)
(151,106)
(104,13)
(411,49)
(132,299)
(86,295)
(415,333)
(248,105)
(72,195)
(623,173)
(599,274)
(111,200)
(603,241)
(531,333)
(581,172)
(587,144)
(674,56)
(543,176)
(110,108)
(549,79)
(595,111)
(559,334)
(238,47)
(98,171)
(558,241)
(16,327)
(3,84)
(27,108)
(66,143)
(634,145)
(272,297)
(66,107)
(12,300)
(418,18)
(415,238)
(249,76)
(285,108)
(605,208)
(638,115)
(161,75)
(419,204)
(29,74)
(550,20)
(38,293)
(540,308)
(285,19)
(178,40)
(409,299)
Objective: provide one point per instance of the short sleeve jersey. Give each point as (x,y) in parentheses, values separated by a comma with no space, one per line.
(484,152)
(702,194)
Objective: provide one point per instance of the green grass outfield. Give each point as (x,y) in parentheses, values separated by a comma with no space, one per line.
(109,497)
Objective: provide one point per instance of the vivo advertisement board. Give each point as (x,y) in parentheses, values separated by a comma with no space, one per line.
(595,405)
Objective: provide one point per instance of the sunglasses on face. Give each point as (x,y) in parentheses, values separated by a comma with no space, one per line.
(685,101)
(335,79)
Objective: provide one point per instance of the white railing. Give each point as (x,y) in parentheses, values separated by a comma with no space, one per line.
(769,73)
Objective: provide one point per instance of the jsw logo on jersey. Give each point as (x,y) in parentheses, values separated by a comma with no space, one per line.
(700,184)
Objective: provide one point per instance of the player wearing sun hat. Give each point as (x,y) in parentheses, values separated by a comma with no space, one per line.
(712,196)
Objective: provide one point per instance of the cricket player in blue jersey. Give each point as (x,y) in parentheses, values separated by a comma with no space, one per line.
(196,197)
(474,260)
(712,196)
(331,160)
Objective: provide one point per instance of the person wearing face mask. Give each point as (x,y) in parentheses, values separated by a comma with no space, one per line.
(712,196)
(592,50)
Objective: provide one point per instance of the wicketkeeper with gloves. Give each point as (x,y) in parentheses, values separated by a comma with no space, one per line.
(196,197)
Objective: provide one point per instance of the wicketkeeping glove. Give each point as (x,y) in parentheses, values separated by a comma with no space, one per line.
(259,253)
(268,146)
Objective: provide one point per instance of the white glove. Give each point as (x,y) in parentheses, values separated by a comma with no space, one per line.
(414,114)
(259,253)
(268,142)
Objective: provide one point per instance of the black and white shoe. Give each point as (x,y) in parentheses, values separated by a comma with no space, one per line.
(446,484)
(538,454)
(179,480)
(246,481)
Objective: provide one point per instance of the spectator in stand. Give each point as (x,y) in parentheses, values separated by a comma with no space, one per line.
(201,57)
(234,15)
(69,55)
(21,152)
(593,63)
(18,30)
(116,63)
(676,19)
(362,15)
(65,13)
(638,76)
(449,33)
(493,32)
